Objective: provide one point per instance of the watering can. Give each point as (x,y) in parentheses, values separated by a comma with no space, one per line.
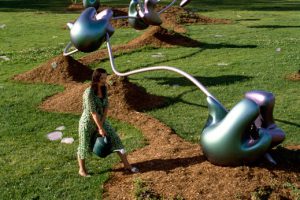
(102,146)
(90,29)
(91,3)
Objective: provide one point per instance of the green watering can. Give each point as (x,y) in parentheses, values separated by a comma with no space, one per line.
(102,146)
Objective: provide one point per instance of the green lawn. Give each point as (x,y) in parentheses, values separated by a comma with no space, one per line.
(231,60)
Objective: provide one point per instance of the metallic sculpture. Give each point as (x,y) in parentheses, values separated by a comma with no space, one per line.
(241,135)
(134,19)
(142,14)
(226,138)
(89,30)
(91,3)
(265,120)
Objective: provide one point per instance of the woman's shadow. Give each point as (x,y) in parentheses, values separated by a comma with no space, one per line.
(167,164)
(287,160)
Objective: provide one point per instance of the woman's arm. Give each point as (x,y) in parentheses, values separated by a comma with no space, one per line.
(104,115)
(99,123)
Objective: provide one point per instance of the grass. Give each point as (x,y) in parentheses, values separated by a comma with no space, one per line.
(231,60)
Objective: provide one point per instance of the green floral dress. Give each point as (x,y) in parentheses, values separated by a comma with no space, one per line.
(87,126)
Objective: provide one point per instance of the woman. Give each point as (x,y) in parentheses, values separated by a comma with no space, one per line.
(93,119)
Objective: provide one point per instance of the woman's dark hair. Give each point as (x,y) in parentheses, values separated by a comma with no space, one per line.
(95,80)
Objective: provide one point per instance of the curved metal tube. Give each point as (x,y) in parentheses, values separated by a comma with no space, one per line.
(186,75)
(66,49)
(167,7)
(123,17)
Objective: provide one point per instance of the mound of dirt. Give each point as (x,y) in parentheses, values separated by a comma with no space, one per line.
(158,36)
(123,96)
(155,36)
(59,70)
(69,101)
(294,77)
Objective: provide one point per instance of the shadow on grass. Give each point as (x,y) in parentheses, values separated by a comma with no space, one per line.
(224,45)
(287,122)
(206,81)
(37,5)
(202,47)
(239,20)
(178,99)
(273,26)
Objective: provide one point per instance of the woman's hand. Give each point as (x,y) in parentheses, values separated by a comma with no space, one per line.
(102,132)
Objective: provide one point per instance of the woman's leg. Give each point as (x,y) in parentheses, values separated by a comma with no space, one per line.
(124,159)
(82,169)
(127,166)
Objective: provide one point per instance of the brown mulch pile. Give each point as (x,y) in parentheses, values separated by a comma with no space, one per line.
(294,77)
(170,168)
(58,70)
(123,96)
(155,36)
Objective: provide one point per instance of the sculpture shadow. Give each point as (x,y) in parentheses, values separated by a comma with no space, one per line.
(225,45)
(281,7)
(202,47)
(167,164)
(239,20)
(287,160)
(178,99)
(177,39)
(273,26)
(182,81)
(287,122)
(37,5)
(207,81)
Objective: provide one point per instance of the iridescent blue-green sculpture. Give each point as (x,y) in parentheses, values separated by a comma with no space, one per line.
(135,19)
(266,102)
(90,29)
(226,138)
(91,3)
(142,13)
